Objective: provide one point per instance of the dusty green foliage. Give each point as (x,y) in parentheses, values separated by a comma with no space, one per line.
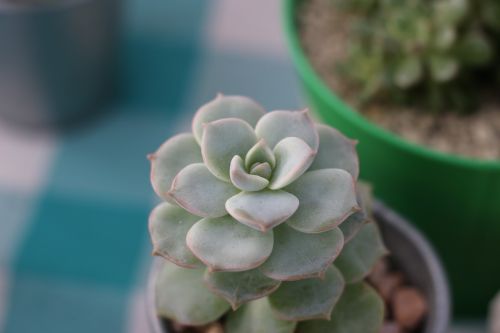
(256,204)
(433,53)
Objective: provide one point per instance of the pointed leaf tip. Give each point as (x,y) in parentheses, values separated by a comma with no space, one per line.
(242,179)
(240,287)
(222,107)
(260,153)
(293,158)
(172,156)
(308,299)
(327,197)
(335,151)
(359,310)
(262,210)
(360,255)
(298,256)
(277,125)
(257,317)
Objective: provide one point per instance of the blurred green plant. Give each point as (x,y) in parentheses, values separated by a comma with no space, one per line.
(435,54)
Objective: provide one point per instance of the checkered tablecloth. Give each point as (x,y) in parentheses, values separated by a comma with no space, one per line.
(74,249)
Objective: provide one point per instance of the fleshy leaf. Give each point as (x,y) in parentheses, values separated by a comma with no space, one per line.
(262,169)
(359,310)
(200,193)
(277,125)
(408,72)
(451,11)
(223,244)
(298,256)
(257,317)
(443,68)
(172,156)
(258,154)
(352,225)
(242,179)
(327,197)
(240,287)
(182,296)
(308,299)
(222,140)
(262,210)
(335,152)
(293,158)
(475,49)
(168,226)
(360,255)
(222,107)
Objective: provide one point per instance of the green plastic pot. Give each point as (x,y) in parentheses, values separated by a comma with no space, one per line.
(454,200)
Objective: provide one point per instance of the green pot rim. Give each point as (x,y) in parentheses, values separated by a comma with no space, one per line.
(312,79)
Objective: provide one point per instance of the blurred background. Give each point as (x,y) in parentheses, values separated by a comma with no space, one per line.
(74,199)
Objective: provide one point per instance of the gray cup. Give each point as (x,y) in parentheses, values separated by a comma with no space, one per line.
(57,58)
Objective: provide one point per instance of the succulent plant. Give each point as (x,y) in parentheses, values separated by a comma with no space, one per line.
(261,215)
(431,53)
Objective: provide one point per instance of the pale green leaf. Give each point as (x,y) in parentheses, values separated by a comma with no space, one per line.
(408,72)
(362,253)
(293,158)
(242,179)
(224,244)
(259,153)
(222,107)
(222,140)
(445,37)
(257,317)
(359,310)
(262,169)
(335,152)
(352,225)
(240,287)
(181,296)
(451,11)
(277,125)
(308,299)
(298,256)
(443,68)
(168,226)
(172,156)
(200,193)
(262,210)
(327,197)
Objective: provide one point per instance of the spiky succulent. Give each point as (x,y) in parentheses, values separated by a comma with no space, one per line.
(261,212)
(433,53)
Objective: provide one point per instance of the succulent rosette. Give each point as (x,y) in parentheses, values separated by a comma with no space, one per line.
(261,212)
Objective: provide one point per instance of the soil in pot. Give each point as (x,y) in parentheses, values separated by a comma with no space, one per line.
(324,34)
(406,307)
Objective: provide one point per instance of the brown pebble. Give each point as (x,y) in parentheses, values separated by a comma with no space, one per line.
(379,271)
(391,327)
(409,307)
(214,328)
(388,285)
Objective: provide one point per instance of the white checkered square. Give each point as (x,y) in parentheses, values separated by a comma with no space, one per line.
(25,159)
(246,27)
